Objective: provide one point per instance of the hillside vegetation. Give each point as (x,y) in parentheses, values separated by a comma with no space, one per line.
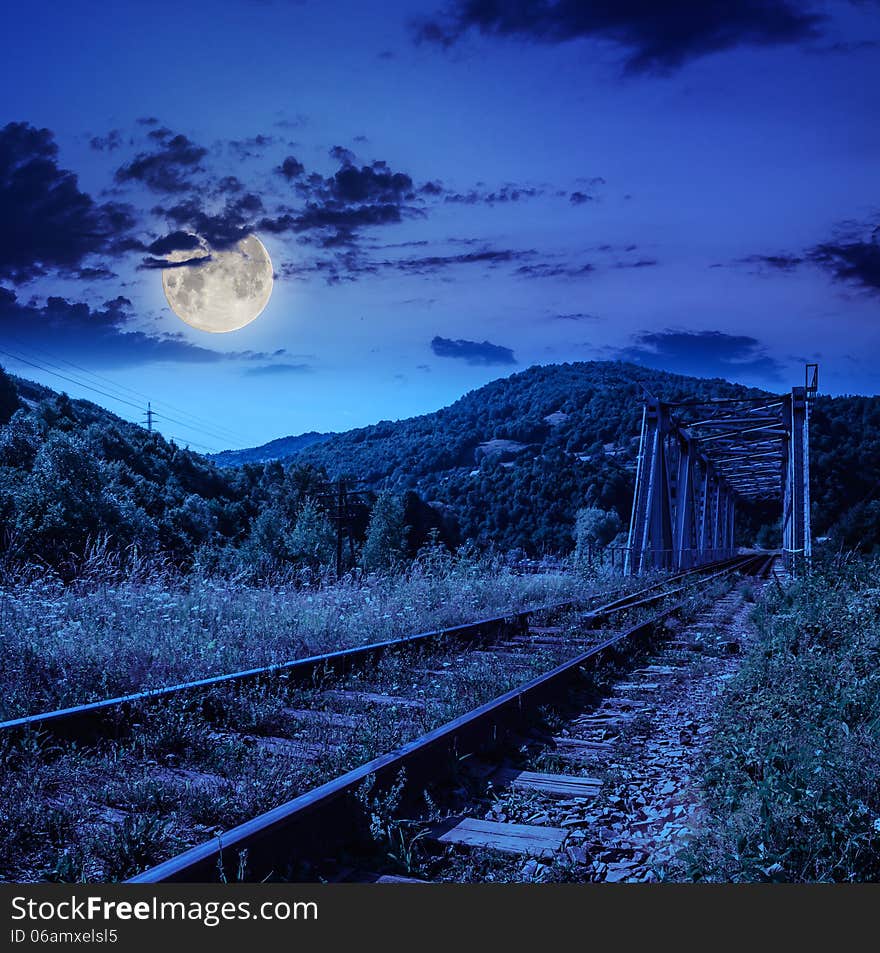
(513,461)
(791,771)
(505,467)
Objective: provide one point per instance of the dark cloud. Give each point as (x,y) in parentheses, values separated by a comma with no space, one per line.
(473,352)
(354,197)
(433,263)
(704,353)
(221,228)
(373,183)
(341,222)
(416,243)
(853,256)
(229,183)
(291,168)
(296,122)
(48,223)
(351,264)
(94,273)
(278,370)
(113,140)
(341,154)
(577,316)
(507,193)
(175,241)
(654,37)
(149,264)
(638,263)
(579,198)
(856,261)
(550,270)
(99,336)
(169,167)
(777,262)
(343,267)
(252,147)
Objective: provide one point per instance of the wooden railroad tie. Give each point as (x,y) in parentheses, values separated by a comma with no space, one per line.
(315,716)
(527,839)
(374,698)
(569,747)
(287,747)
(555,785)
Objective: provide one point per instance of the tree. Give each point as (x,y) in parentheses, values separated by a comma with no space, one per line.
(267,543)
(594,527)
(9,402)
(20,441)
(71,497)
(385,544)
(312,539)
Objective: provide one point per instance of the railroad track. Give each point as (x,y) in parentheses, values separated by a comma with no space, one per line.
(110,715)
(536,666)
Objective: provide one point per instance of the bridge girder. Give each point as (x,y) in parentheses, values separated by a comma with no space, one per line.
(700,460)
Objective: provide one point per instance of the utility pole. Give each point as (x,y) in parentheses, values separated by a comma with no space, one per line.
(149,417)
(341,509)
(340,500)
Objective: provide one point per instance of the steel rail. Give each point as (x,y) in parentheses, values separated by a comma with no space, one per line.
(79,721)
(327,815)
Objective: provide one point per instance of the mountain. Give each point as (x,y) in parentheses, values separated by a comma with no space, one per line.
(281,448)
(512,461)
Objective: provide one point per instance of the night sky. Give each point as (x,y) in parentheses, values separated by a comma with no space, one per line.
(449,194)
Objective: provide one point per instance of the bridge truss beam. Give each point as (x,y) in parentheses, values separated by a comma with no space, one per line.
(700,460)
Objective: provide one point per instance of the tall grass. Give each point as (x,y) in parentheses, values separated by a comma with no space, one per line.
(792,776)
(118,629)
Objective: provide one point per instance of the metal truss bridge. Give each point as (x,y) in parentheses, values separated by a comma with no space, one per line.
(699,461)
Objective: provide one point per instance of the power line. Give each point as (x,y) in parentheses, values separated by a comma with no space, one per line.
(70,380)
(78,383)
(190,443)
(219,432)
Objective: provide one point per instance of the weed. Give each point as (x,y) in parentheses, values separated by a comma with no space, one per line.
(792,774)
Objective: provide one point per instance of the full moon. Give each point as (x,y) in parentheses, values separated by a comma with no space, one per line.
(221,290)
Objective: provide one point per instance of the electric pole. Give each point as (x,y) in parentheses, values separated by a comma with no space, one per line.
(341,514)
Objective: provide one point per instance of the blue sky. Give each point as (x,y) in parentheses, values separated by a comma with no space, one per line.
(471,188)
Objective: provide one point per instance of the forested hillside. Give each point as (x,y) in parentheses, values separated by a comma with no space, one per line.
(74,477)
(506,466)
(514,460)
(280,449)
(845,455)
